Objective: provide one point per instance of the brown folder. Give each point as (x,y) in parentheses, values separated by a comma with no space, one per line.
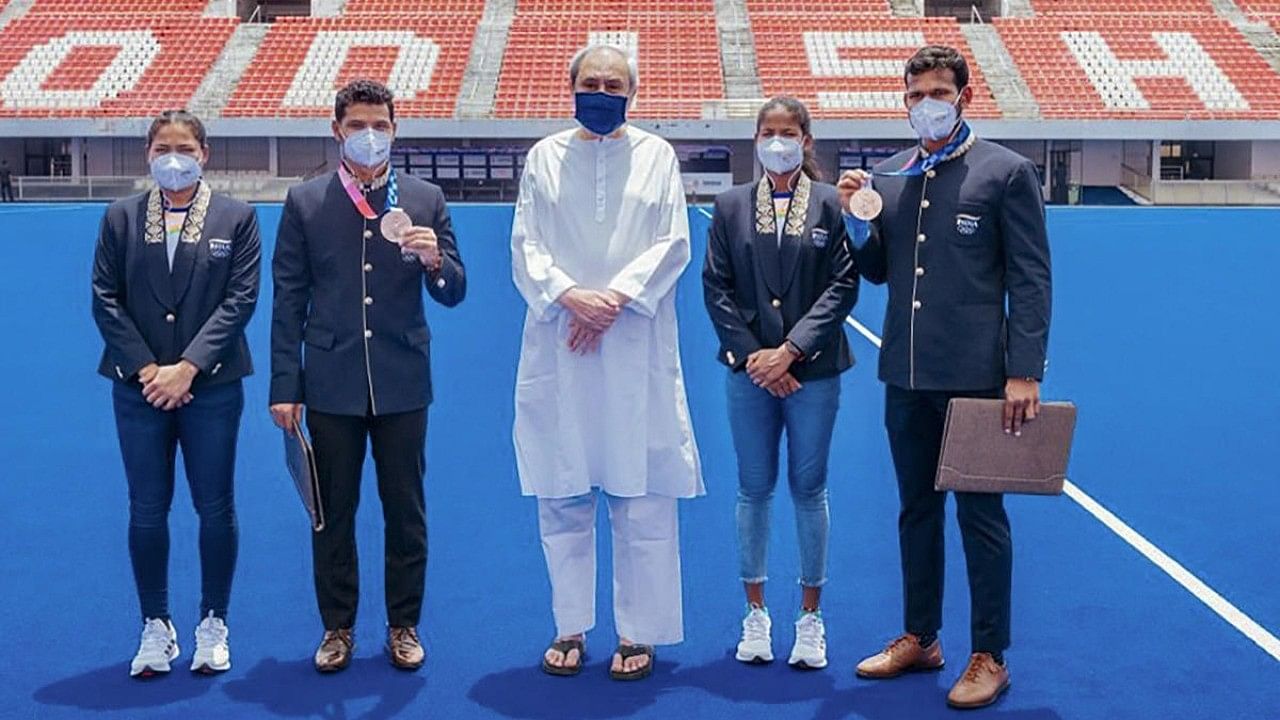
(977,455)
(301,460)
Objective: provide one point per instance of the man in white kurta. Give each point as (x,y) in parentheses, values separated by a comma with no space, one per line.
(601,230)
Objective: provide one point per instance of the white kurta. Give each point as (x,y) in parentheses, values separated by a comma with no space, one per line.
(602,214)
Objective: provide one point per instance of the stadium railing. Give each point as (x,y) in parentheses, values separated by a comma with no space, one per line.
(1260,191)
(1264,191)
(252,188)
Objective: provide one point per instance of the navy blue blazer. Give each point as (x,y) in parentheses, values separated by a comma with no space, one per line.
(197,312)
(954,245)
(760,295)
(347,294)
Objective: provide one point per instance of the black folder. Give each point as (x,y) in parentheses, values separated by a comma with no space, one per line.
(977,455)
(301,460)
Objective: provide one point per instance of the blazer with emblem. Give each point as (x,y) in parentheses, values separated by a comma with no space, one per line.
(345,292)
(954,246)
(198,311)
(759,294)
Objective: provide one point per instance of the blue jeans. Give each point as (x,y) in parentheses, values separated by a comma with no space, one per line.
(756,420)
(206,429)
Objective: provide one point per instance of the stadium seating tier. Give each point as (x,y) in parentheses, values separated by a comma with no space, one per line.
(1148,67)
(121,65)
(678,61)
(303,61)
(149,8)
(1122,7)
(1131,59)
(845,65)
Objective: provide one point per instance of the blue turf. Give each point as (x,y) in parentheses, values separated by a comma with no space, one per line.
(1163,334)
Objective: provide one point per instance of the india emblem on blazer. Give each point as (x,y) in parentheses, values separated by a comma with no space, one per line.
(819,236)
(967,224)
(219,248)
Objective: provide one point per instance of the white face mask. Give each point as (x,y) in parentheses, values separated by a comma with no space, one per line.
(175,171)
(934,119)
(780,155)
(367,148)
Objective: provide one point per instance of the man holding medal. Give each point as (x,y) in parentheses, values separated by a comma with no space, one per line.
(354,250)
(956,229)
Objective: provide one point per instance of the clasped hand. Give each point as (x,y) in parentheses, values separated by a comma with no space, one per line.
(168,387)
(770,368)
(593,313)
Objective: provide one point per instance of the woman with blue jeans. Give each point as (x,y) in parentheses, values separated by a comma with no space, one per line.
(175,280)
(779,281)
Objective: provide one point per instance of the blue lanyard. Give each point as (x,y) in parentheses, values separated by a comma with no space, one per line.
(393,190)
(913,168)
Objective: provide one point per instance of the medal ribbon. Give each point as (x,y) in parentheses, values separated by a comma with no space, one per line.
(351,185)
(915,167)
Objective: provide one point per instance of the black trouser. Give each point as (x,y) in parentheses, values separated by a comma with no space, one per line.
(399,444)
(915,422)
(6,192)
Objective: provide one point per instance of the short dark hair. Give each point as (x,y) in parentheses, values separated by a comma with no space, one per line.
(363,92)
(938,57)
(178,117)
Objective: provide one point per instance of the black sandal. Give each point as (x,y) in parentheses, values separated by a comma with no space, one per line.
(630,651)
(563,647)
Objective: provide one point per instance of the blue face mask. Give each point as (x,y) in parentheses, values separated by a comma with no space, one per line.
(175,171)
(367,148)
(600,113)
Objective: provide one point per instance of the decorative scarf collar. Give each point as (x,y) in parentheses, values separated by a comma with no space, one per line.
(797,211)
(192,229)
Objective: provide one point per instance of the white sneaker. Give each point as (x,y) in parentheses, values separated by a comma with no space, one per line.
(158,648)
(810,650)
(212,655)
(756,646)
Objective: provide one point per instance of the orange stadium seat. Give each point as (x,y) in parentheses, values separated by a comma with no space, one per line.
(291,78)
(105,65)
(1205,70)
(412,7)
(106,7)
(845,65)
(1260,7)
(678,60)
(821,7)
(623,6)
(1123,7)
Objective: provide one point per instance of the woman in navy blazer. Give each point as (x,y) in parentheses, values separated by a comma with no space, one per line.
(175,280)
(779,282)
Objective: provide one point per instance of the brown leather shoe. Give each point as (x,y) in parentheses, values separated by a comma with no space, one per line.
(403,647)
(335,650)
(981,683)
(903,655)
